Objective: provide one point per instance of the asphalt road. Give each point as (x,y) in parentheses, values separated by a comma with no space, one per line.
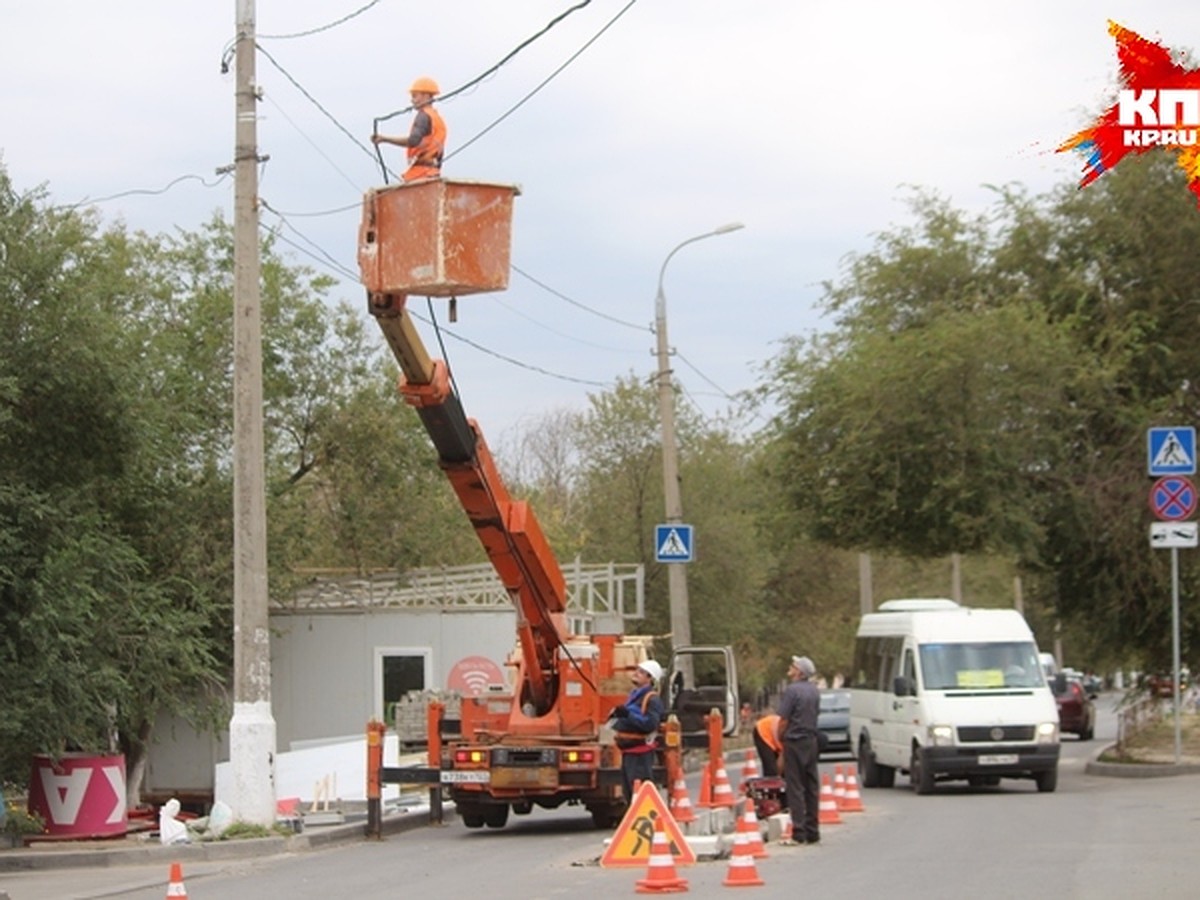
(1095,837)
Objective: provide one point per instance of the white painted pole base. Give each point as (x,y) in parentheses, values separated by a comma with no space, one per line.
(251,787)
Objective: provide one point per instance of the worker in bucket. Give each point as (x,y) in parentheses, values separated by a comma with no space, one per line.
(426,140)
(636,724)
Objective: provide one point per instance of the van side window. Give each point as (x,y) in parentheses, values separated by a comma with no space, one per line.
(876,662)
(910,669)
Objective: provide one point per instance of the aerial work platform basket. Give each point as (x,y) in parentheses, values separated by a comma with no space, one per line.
(436,238)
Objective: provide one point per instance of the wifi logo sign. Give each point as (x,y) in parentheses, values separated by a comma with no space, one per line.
(472,675)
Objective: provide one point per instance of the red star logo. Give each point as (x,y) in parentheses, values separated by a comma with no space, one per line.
(1146,70)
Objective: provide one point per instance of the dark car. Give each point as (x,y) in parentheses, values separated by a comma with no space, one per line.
(833,721)
(1076,711)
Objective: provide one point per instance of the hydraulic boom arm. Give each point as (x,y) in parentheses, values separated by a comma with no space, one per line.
(507,528)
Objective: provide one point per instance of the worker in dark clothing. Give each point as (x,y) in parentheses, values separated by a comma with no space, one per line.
(636,724)
(798,710)
(426,140)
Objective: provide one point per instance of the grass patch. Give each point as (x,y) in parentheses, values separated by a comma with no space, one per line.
(1156,743)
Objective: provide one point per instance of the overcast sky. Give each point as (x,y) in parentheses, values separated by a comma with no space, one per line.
(803,119)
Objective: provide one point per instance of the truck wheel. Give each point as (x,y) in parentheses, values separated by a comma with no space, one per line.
(919,772)
(607,816)
(470,813)
(496,815)
(1047,781)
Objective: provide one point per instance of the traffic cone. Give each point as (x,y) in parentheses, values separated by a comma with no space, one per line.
(660,876)
(742,871)
(175,887)
(827,810)
(749,823)
(839,786)
(750,769)
(681,804)
(853,801)
(705,801)
(722,791)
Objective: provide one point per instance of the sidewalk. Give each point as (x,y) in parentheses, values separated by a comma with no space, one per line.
(134,850)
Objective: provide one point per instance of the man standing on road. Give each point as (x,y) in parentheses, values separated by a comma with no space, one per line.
(636,724)
(798,710)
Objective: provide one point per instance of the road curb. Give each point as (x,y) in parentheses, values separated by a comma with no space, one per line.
(47,857)
(1137,770)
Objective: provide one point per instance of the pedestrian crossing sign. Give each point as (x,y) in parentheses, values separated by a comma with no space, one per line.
(630,844)
(1171,451)
(673,543)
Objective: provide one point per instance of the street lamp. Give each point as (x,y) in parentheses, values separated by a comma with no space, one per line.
(681,623)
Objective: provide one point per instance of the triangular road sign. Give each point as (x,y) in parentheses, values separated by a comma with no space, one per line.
(630,844)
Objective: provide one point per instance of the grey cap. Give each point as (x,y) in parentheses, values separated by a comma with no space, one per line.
(804,665)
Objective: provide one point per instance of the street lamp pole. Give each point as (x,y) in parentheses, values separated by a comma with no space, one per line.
(681,623)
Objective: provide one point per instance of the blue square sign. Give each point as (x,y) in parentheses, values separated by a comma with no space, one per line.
(1171,451)
(673,543)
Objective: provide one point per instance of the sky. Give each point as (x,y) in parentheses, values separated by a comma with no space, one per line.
(629,127)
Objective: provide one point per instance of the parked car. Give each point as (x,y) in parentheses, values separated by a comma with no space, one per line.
(833,721)
(1076,711)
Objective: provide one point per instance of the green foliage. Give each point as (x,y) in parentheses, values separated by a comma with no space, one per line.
(987,391)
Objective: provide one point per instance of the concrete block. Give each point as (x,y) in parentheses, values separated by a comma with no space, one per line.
(776,825)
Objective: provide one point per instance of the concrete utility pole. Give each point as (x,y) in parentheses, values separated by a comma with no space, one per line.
(250,792)
(681,623)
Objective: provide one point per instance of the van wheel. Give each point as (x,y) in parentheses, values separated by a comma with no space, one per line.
(1047,781)
(866,764)
(919,772)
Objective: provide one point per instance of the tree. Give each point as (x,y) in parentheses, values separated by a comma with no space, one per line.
(987,389)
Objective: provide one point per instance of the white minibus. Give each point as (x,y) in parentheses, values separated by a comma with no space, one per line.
(944,692)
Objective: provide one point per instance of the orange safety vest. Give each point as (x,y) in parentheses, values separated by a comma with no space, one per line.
(768,730)
(630,740)
(425,159)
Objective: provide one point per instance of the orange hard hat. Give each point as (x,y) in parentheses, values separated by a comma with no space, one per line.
(425,85)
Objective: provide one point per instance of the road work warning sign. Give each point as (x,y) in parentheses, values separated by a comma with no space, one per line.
(630,845)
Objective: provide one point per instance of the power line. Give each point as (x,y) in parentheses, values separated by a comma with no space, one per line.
(221,176)
(318,30)
(574,56)
(576,303)
(313,100)
(542,325)
(474,81)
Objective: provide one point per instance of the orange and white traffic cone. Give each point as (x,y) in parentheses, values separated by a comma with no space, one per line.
(681,804)
(750,769)
(827,810)
(175,887)
(853,801)
(742,872)
(749,823)
(839,786)
(722,791)
(660,876)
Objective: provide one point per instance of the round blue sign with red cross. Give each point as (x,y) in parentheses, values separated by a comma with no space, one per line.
(1173,498)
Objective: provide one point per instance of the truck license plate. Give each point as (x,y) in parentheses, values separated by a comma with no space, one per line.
(534,777)
(469,776)
(998,759)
